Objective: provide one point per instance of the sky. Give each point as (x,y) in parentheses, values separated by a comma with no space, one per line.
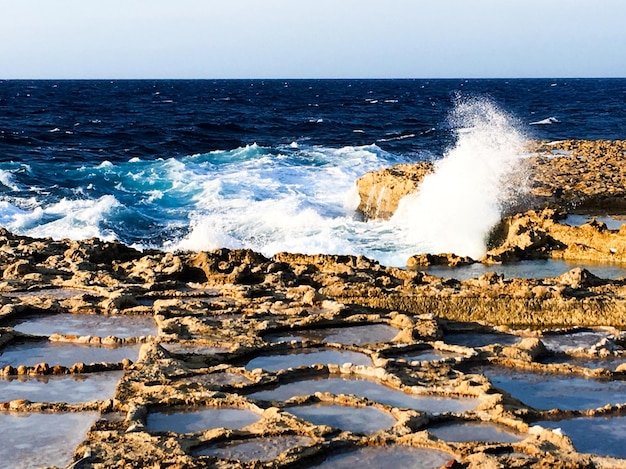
(312,38)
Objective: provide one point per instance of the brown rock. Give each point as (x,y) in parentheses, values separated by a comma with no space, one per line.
(426,260)
(380,191)
(18,269)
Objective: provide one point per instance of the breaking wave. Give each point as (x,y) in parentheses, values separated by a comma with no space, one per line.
(461,201)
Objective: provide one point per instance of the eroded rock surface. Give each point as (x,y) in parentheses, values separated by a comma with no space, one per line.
(217,313)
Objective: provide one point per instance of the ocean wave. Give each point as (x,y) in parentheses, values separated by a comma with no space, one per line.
(288,197)
(76,219)
(7,180)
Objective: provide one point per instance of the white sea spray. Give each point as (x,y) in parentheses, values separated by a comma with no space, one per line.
(458,204)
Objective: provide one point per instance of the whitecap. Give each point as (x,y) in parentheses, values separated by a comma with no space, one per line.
(399,137)
(547,121)
(7,180)
(75,219)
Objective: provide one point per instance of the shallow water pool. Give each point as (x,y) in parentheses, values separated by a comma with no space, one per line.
(528,269)
(30,440)
(308,358)
(368,389)
(599,435)
(98,325)
(71,389)
(480,339)
(63,353)
(194,420)
(475,431)
(398,457)
(549,391)
(262,449)
(350,335)
(346,418)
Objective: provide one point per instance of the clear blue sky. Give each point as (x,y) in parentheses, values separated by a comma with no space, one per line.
(312,38)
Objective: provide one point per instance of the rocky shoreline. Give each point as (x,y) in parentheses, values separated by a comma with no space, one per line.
(221,318)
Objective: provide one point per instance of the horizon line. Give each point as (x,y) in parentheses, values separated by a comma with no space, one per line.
(315,78)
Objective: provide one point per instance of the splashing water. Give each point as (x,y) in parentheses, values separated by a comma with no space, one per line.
(464,198)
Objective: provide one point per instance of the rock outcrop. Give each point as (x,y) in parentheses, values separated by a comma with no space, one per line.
(572,174)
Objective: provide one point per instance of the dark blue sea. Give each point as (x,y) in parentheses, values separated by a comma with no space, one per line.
(271,164)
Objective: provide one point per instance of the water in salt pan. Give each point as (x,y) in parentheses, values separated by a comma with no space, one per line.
(608,363)
(218,379)
(528,269)
(194,349)
(262,449)
(40,440)
(480,339)
(98,325)
(189,421)
(574,340)
(353,419)
(71,389)
(549,391)
(351,335)
(56,293)
(475,431)
(604,436)
(430,355)
(308,358)
(63,353)
(398,457)
(368,389)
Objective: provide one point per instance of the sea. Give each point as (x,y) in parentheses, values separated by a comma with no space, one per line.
(271,165)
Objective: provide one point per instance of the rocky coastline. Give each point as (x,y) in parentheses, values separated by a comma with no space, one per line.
(217,312)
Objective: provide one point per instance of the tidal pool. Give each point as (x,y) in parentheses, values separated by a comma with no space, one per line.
(353,419)
(398,457)
(368,389)
(308,358)
(475,431)
(528,269)
(612,223)
(71,389)
(262,448)
(349,335)
(548,391)
(480,339)
(30,440)
(63,353)
(604,436)
(190,420)
(99,325)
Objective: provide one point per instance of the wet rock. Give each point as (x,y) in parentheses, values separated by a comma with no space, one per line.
(380,191)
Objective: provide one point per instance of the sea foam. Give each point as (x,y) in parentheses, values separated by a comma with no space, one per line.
(460,202)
